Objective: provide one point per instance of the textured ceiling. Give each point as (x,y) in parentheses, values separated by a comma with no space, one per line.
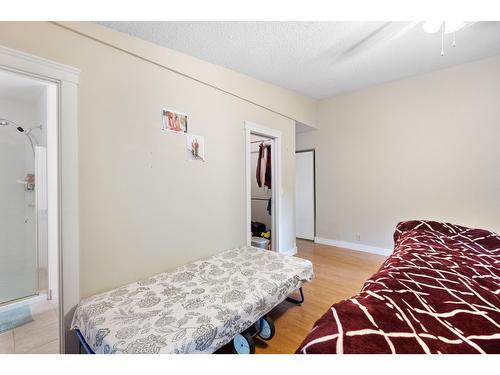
(320,59)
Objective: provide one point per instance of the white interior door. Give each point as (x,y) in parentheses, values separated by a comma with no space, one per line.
(304,194)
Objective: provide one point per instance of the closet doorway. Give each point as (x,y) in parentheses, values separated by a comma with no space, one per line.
(261,190)
(262,185)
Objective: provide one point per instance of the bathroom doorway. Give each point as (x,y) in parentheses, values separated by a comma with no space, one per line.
(29,259)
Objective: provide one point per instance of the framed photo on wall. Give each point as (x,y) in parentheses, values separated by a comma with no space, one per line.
(174,121)
(195,147)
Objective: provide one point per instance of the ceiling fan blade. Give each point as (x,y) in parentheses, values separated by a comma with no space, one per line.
(364,42)
(405,29)
(388,31)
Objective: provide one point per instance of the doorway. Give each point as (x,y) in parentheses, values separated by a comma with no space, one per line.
(62,178)
(29,257)
(261,190)
(263,171)
(305,195)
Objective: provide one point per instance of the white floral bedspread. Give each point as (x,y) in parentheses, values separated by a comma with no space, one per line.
(197,308)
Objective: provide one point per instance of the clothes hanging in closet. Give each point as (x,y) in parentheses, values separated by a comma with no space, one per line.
(267,179)
(259,159)
(263,173)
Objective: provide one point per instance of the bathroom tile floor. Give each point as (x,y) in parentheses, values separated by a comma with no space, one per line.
(41,336)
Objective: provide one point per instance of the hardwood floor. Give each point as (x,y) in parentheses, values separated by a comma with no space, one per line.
(339,274)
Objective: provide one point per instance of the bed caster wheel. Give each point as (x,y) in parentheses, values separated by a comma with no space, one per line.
(266,328)
(243,344)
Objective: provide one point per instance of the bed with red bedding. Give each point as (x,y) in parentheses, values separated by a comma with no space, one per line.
(439,292)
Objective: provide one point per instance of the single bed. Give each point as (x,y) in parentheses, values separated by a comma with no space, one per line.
(439,292)
(197,308)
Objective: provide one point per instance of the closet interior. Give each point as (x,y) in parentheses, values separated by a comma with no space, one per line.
(261,202)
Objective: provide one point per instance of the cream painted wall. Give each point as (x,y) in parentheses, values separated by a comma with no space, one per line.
(427,147)
(143,207)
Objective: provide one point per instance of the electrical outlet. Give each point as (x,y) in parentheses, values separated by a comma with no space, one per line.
(358,237)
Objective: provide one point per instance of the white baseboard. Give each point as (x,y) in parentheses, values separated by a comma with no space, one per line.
(353,246)
(290,252)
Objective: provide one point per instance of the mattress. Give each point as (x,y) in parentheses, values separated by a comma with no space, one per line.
(439,292)
(197,308)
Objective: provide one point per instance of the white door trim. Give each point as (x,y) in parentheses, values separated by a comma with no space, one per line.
(275,135)
(39,66)
(66,78)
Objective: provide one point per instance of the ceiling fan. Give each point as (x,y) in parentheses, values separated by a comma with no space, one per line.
(390,31)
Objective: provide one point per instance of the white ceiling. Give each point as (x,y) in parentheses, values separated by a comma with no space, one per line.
(320,59)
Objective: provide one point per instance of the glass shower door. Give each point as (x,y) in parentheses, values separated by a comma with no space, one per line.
(18,249)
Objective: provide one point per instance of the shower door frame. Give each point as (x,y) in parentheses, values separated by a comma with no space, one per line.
(66,78)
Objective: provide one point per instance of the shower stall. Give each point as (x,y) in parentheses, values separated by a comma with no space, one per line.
(24,262)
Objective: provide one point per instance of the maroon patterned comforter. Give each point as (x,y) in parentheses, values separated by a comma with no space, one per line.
(439,292)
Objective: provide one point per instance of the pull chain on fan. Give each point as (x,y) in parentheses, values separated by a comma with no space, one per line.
(446,27)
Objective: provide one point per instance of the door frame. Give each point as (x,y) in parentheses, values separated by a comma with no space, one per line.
(313,150)
(275,136)
(66,78)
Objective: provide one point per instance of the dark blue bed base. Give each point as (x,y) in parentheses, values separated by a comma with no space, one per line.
(83,343)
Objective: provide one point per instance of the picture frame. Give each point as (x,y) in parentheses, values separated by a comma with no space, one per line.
(174,121)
